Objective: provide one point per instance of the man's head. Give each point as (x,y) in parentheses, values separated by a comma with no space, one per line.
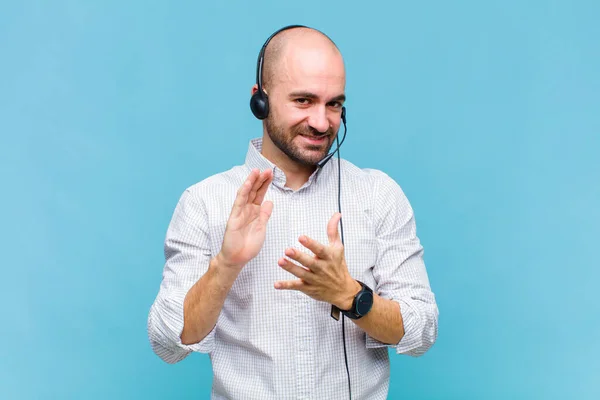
(304,77)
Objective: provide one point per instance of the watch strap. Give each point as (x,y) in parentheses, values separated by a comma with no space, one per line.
(352,312)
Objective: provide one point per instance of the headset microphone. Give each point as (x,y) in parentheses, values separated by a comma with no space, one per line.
(321,163)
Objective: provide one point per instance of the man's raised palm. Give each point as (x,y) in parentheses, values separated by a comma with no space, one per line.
(247,225)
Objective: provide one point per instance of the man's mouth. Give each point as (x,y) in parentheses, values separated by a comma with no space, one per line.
(314,139)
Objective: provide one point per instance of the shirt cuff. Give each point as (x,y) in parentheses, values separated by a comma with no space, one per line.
(172,325)
(412,337)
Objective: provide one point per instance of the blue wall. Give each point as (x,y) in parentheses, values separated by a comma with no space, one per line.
(486,113)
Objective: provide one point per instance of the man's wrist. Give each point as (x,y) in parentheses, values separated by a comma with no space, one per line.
(348,296)
(224,273)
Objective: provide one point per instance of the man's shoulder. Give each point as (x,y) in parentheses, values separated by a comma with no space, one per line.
(379,187)
(371,176)
(221,182)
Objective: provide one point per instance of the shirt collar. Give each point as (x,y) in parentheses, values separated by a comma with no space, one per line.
(254,159)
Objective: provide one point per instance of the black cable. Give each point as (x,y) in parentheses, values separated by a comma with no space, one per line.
(342,232)
(346,357)
(340,184)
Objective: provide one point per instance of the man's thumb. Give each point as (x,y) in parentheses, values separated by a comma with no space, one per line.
(265,211)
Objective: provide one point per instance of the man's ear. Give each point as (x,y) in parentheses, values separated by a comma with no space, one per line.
(255,89)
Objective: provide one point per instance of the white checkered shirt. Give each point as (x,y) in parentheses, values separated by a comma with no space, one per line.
(272,344)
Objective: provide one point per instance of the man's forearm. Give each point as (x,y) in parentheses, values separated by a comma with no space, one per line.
(204,301)
(384,321)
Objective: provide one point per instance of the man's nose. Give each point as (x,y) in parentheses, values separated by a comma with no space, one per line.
(318,119)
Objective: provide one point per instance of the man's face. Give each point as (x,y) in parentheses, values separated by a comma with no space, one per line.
(305,103)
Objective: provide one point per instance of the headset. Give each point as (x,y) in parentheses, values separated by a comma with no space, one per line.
(259,104)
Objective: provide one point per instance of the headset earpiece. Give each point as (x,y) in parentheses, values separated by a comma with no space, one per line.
(259,104)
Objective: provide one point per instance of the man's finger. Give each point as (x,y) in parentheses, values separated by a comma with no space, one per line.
(294,269)
(290,285)
(260,194)
(265,212)
(302,258)
(256,186)
(317,248)
(332,228)
(243,192)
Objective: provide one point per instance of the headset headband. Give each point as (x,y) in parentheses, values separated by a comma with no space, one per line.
(261,54)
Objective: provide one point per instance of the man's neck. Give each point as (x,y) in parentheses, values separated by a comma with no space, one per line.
(296,174)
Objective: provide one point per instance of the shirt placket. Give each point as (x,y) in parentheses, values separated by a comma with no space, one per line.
(305,358)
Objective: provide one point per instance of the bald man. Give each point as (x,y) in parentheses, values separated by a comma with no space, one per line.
(258,256)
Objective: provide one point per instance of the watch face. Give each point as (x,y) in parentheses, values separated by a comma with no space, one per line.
(364,303)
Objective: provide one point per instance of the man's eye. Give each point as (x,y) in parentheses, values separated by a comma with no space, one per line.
(302,101)
(335,104)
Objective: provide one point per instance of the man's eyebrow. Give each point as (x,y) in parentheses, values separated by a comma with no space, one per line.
(341,97)
(309,95)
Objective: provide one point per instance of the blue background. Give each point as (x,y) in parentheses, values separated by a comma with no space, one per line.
(486,113)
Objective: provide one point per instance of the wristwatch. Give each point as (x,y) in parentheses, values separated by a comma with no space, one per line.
(362,303)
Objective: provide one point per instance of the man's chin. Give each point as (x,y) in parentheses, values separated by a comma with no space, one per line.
(306,153)
(312,157)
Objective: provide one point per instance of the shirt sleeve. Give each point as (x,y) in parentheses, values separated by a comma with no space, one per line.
(400,270)
(187,256)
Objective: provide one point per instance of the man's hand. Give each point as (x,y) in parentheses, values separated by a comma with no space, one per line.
(244,237)
(325,276)
(247,225)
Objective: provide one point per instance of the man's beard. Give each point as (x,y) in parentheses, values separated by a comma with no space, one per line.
(284,142)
